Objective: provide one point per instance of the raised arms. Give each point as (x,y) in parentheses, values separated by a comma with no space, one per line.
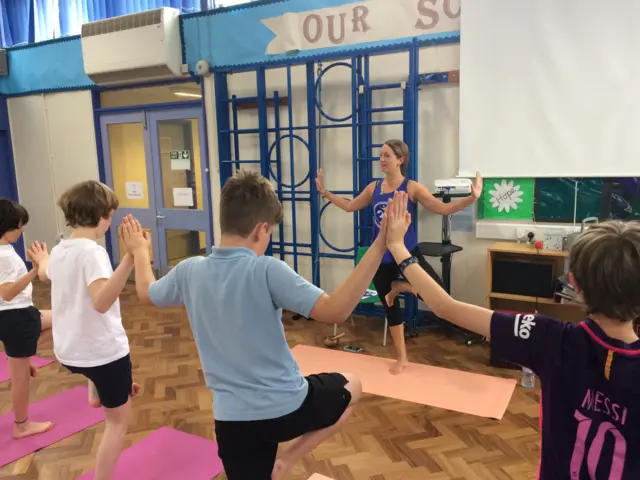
(358,203)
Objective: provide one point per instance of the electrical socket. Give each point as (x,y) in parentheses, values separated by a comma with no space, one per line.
(521,234)
(553,241)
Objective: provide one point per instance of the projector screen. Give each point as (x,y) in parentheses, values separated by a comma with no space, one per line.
(550,88)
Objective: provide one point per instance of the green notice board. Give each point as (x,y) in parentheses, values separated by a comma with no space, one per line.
(507,198)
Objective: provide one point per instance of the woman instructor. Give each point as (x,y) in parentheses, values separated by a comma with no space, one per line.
(394,159)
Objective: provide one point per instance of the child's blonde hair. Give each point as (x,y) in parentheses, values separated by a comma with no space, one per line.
(86,203)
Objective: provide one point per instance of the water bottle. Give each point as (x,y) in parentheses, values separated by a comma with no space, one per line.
(528,378)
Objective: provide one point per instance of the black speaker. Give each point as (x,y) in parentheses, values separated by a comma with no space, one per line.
(522,277)
(4,63)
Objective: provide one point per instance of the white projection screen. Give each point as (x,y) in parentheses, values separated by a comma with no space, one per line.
(550,88)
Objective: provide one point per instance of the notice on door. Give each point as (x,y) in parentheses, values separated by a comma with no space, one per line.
(180,159)
(183,197)
(135,191)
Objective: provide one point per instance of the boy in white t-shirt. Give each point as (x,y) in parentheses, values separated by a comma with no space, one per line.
(20,322)
(88,336)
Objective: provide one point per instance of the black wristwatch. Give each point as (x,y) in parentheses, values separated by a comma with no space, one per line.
(405,263)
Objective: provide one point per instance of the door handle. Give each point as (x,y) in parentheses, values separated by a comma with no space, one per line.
(160,217)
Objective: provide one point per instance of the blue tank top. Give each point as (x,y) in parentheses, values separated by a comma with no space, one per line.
(379,206)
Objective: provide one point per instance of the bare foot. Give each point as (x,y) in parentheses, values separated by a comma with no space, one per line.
(94,399)
(280,469)
(135,389)
(391,296)
(398,367)
(33,369)
(28,429)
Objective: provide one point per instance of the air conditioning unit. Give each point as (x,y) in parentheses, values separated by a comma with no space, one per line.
(133,48)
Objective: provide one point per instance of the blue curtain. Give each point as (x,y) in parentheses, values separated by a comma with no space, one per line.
(15,18)
(23,21)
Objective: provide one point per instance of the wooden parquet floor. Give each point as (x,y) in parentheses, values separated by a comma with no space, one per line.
(385,439)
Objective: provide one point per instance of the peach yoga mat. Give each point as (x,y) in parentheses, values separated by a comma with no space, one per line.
(317,476)
(463,392)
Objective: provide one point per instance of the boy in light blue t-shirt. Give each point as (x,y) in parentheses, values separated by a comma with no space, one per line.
(234,299)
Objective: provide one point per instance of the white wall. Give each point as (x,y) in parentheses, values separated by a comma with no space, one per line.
(54,147)
(438,147)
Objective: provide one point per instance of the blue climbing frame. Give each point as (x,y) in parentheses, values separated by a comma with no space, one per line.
(361,121)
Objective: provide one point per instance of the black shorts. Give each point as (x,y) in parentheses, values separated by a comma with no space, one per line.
(248,450)
(20,331)
(113,381)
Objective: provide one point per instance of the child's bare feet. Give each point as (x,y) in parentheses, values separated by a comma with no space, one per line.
(33,369)
(280,469)
(391,296)
(27,429)
(94,399)
(135,389)
(399,366)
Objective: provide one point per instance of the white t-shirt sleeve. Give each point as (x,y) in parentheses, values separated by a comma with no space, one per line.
(96,265)
(8,271)
(47,271)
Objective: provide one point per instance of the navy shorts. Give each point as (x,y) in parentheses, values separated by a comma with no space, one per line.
(113,381)
(20,330)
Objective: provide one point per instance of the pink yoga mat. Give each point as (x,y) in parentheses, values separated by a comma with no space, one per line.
(463,392)
(168,454)
(4,365)
(69,411)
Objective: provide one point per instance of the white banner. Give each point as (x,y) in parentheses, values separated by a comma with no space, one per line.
(363,22)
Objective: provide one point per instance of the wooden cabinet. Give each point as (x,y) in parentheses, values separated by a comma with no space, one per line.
(521,257)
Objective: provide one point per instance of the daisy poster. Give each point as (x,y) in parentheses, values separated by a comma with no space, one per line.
(507,198)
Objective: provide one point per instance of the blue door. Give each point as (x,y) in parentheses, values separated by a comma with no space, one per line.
(155,163)
(181,180)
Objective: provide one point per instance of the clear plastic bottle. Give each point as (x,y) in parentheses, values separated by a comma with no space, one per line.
(528,378)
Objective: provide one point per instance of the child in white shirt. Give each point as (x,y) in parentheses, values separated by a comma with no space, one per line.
(88,335)
(20,322)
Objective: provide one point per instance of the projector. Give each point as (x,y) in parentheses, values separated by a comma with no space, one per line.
(452,186)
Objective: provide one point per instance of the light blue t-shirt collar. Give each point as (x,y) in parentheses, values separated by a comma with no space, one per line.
(230,252)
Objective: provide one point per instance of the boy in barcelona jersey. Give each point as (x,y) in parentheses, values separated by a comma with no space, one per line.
(590,372)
